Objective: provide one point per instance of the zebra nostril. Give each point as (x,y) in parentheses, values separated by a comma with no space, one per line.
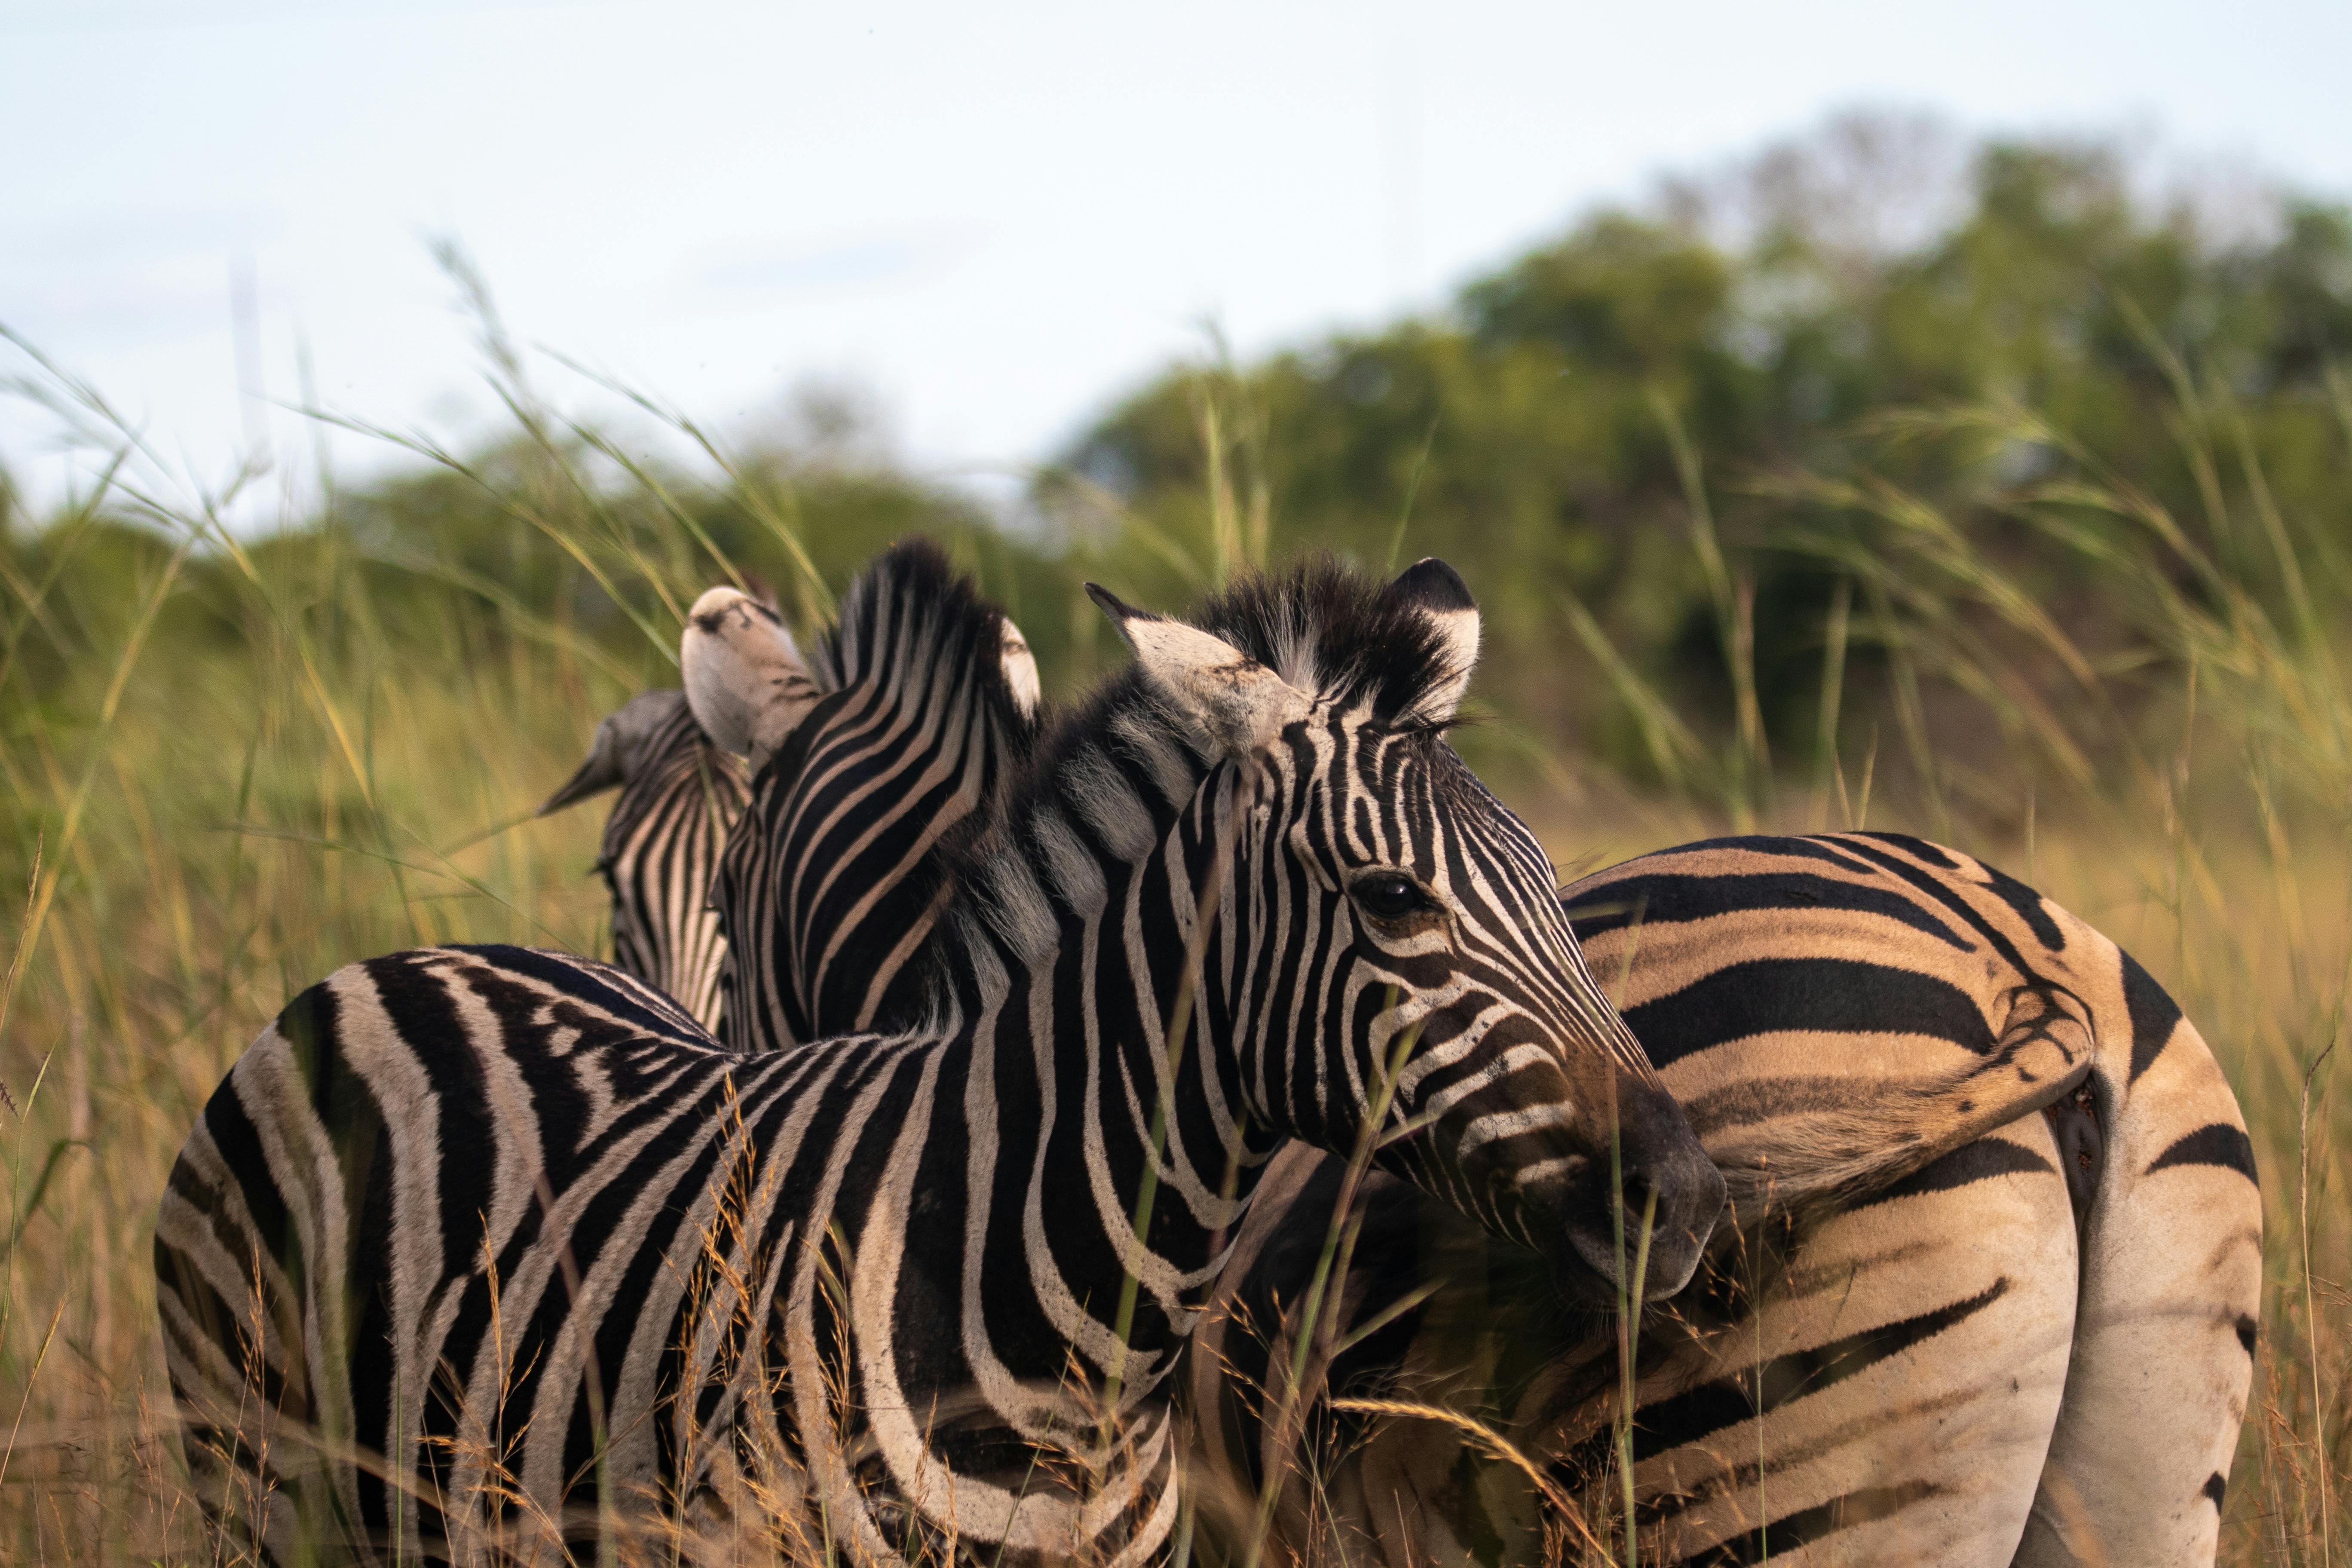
(1642,1199)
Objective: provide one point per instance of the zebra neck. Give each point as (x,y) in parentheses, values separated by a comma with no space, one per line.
(833,890)
(1130,1067)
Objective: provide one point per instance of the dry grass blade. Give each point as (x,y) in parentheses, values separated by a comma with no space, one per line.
(1493,1443)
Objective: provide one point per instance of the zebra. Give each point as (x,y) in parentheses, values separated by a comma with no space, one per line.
(1757,950)
(1835,995)
(931,711)
(477,1245)
(681,795)
(2022,1337)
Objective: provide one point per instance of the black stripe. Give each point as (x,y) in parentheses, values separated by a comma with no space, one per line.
(2154,1016)
(1674,898)
(573,977)
(2216,1486)
(231,1327)
(417,1002)
(1794,1531)
(361,1137)
(2030,906)
(1918,849)
(238,1143)
(2215,1144)
(1809,849)
(1826,996)
(1964,1166)
(1726,1401)
(1942,892)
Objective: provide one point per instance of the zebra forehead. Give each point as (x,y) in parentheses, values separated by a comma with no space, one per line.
(1425,776)
(1339,634)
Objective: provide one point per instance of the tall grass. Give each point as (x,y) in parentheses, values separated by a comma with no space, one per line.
(231,765)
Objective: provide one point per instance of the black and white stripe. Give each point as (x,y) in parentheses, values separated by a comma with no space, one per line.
(838,873)
(2026,1336)
(905,716)
(680,797)
(502,1211)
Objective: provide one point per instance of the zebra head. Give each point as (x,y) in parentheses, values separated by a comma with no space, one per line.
(750,686)
(745,678)
(1396,946)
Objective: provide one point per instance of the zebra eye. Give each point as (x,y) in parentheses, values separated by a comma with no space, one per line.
(1385,895)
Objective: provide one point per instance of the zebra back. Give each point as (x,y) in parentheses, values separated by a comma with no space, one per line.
(2037,1331)
(680,797)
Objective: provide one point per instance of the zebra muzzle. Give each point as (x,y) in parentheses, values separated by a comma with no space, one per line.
(1660,1180)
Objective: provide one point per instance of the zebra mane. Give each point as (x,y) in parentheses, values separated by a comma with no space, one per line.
(910,617)
(1105,776)
(1336,632)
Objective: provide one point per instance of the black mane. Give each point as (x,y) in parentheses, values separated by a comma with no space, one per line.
(1336,632)
(913,585)
(1327,628)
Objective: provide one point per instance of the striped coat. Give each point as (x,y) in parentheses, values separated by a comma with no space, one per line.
(1762,964)
(681,795)
(840,869)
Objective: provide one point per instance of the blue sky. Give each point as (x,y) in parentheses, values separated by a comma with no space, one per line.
(992,218)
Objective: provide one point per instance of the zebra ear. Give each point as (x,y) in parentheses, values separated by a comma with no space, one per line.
(1437,591)
(1020,668)
(620,744)
(1235,704)
(744,679)
(600,771)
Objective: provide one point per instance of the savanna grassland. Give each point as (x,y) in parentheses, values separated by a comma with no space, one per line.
(2028,529)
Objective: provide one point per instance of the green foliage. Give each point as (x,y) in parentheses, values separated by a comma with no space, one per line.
(1529,433)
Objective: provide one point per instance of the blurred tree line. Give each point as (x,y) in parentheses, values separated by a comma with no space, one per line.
(1851,431)
(1699,442)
